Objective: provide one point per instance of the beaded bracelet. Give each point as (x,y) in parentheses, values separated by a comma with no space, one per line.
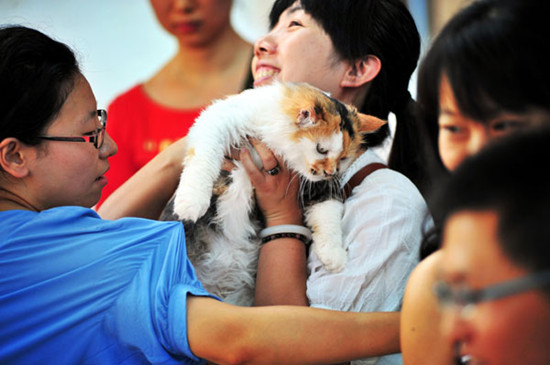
(275,236)
(286,231)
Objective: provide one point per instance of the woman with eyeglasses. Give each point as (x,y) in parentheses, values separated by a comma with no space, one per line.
(75,288)
(481,79)
(494,273)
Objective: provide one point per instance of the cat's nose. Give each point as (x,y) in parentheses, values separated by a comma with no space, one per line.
(329,173)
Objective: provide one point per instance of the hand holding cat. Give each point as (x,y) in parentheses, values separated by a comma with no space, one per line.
(277,195)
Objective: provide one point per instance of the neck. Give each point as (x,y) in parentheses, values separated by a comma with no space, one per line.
(13,201)
(219,55)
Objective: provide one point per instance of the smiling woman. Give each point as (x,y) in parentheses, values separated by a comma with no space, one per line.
(363,53)
(118,291)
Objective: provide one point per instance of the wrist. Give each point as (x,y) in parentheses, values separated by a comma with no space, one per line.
(271,221)
(286,231)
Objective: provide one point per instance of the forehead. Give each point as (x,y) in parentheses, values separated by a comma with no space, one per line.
(472,252)
(79,108)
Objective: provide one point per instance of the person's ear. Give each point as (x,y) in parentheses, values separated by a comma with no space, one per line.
(13,157)
(361,72)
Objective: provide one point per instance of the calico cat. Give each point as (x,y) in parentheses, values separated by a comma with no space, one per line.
(316,135)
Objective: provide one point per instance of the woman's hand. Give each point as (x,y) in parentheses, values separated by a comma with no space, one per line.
(275,185)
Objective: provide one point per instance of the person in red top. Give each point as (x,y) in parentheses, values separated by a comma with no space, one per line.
(212,61)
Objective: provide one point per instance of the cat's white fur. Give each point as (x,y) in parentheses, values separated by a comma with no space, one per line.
(229,268)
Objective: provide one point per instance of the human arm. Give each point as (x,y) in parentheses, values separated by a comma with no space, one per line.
(281,276)
(421,339)
(227,334)
(146,193)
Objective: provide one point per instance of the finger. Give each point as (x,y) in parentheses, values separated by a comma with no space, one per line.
(269,161)
(253,172)
(228,164)
(234,153)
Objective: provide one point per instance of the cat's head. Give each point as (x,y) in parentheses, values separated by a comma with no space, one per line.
(327,135)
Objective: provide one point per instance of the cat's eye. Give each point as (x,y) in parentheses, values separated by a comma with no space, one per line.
(321,150)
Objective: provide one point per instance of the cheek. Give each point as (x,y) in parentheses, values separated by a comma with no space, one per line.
(515,331)
(304,61)
(451,153)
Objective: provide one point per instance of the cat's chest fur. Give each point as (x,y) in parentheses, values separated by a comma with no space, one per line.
(317,136)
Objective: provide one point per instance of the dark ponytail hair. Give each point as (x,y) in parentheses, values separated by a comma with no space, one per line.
(36,76)
(385,29)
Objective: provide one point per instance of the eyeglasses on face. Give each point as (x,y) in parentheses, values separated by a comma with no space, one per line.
(96,137)
(466,298)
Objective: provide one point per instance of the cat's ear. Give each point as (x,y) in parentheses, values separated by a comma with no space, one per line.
(306,118)
(369,123)
(361,72)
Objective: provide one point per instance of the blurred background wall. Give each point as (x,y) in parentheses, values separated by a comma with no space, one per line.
(120,43)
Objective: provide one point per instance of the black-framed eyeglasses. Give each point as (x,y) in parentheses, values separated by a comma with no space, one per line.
(96,137)
(466,298)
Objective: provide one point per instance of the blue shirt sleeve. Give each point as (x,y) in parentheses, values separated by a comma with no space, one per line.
(79,289)
(152,312)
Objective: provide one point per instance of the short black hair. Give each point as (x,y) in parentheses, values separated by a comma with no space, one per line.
(37,74)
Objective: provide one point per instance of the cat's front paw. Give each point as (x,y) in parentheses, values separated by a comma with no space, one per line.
(191,204)
(333,258)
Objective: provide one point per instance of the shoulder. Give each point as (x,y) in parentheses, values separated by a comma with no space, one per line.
(422,279)
(421,340)
(84,224)
(389,188)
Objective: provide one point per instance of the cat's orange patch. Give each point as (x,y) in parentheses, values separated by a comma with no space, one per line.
(321,109)
(326,166)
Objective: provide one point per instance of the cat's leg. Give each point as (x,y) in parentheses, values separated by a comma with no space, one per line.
(214,133)
(325,220)
(221,126)
(196,183)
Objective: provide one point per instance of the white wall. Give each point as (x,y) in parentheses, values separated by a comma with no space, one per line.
(118,42)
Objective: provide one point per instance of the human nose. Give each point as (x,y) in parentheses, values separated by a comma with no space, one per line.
(265,45)
(109,147)
(478,140)
(454,326)
(185,6)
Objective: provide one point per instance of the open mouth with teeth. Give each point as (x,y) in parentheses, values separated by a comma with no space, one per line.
(264,74)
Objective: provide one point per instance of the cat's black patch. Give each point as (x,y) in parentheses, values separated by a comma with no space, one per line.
(375,138)
(319,191)
(319,111)
(345,121)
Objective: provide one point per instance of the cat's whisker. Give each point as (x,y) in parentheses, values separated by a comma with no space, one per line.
(299,188)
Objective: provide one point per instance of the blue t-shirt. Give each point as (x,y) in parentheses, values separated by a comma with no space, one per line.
(77,289)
